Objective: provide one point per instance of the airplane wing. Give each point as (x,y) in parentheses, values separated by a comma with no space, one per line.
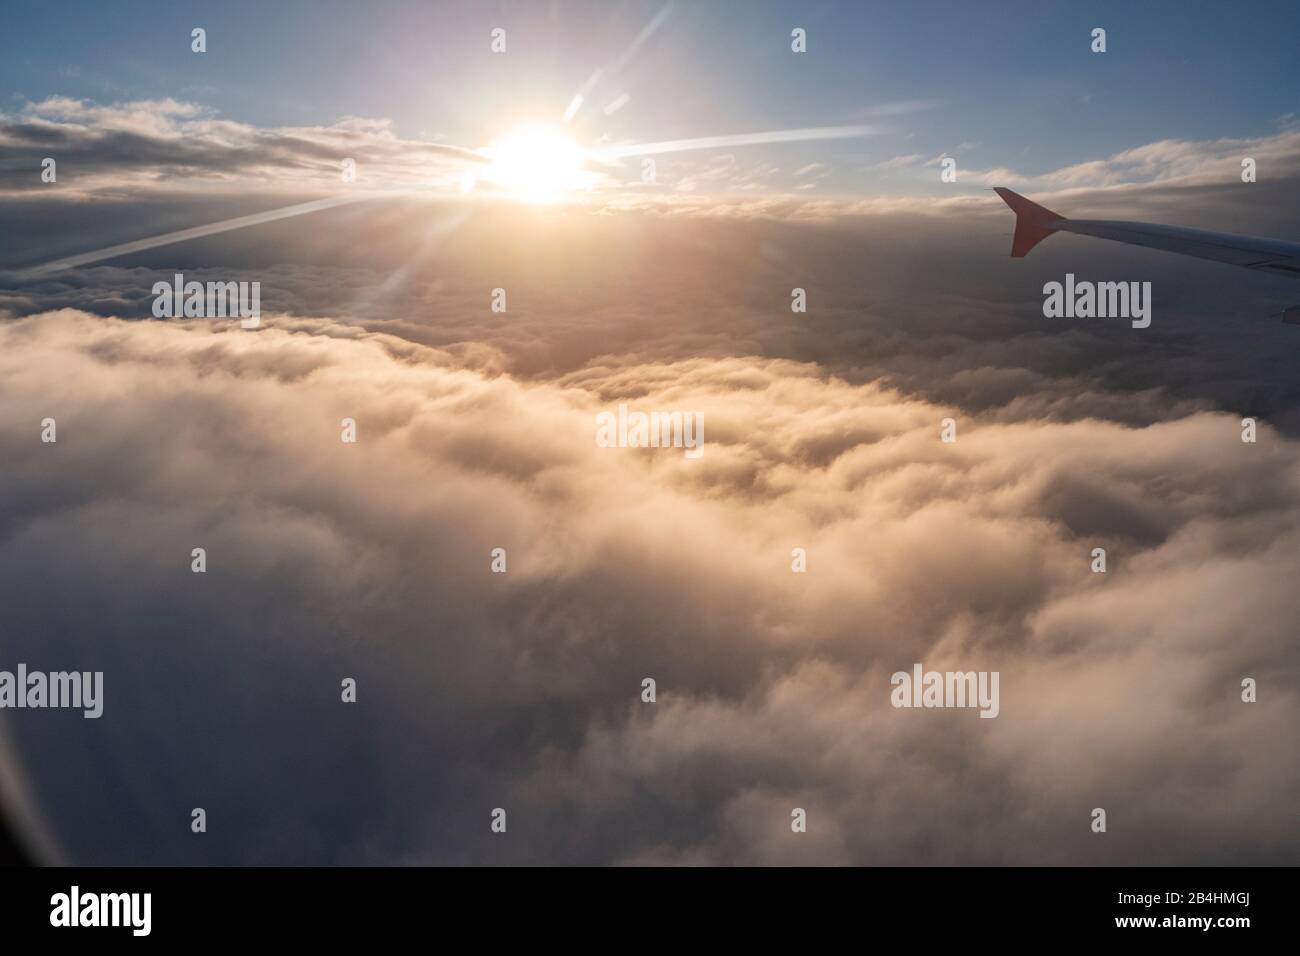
(1035,223)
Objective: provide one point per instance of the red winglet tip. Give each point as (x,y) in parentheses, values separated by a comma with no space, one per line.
(1033,222)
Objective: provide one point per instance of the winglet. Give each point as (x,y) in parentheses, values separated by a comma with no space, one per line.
(1033,222)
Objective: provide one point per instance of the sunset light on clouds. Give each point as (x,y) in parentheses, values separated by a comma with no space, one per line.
(649,342)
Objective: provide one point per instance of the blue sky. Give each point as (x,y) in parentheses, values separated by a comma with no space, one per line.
(1018,84)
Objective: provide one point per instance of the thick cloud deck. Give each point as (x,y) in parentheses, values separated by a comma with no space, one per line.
(521,690)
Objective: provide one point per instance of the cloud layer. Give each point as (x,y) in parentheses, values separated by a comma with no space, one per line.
(521,690)
(477,431)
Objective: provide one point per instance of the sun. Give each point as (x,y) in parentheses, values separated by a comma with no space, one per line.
(535,163)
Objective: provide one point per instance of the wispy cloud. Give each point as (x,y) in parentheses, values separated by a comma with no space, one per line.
(166,145)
